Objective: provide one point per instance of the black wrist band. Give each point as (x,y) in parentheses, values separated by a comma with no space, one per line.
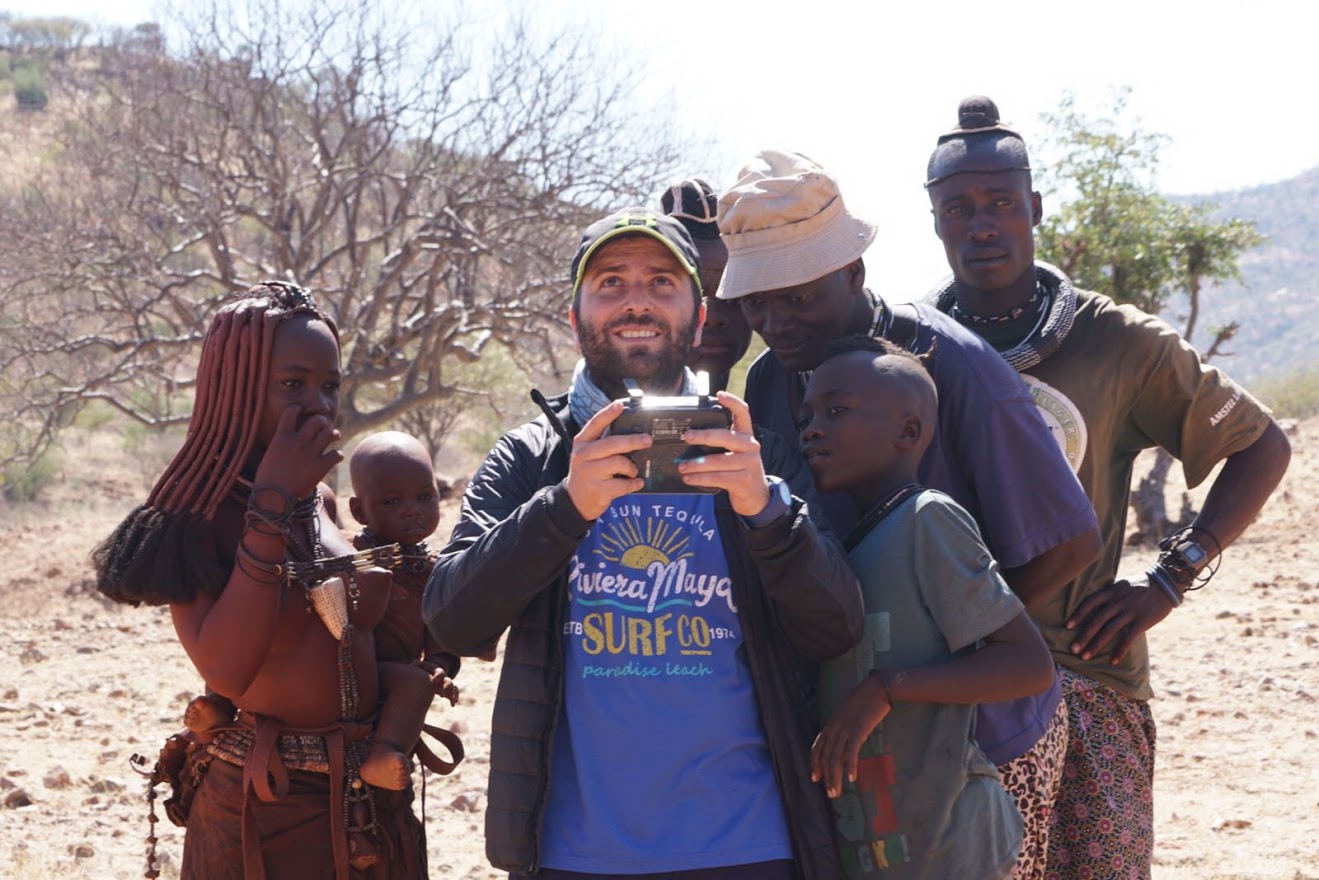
(1159,577)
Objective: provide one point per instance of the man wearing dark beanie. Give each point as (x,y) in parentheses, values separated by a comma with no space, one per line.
(1112,381)
(725,335)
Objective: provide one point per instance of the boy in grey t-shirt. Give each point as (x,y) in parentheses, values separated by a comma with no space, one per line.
(913,795)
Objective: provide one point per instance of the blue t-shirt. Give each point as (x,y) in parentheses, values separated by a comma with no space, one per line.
(660,761)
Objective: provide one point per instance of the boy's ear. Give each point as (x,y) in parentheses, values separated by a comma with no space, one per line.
(911,431)
(355,508)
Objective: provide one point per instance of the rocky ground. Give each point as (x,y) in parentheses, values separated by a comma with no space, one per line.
(84,685)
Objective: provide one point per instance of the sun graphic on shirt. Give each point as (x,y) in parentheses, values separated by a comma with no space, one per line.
(630,544)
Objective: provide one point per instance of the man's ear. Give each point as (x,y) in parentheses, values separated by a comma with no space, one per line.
(572,322)
(1036,209)
(856,275)
(355,508)
(700,323)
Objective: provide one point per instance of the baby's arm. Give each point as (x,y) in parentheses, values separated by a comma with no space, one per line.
(442,666)
(1012,662)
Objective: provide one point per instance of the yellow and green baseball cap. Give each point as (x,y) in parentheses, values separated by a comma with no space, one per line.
(637,221)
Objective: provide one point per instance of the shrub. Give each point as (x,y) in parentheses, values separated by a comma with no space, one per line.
(24,481)
(30,89)
(1292,395)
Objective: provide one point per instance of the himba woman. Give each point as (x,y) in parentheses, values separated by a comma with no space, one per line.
(235,539)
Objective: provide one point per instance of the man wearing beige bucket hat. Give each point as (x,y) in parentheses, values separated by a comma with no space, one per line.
(795,265)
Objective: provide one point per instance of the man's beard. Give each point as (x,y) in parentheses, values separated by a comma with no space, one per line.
(656,372)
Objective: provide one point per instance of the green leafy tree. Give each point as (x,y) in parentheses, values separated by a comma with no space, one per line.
(1105,224)
(1113,232)
(47,37)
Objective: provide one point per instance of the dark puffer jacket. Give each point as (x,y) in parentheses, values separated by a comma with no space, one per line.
(506,566)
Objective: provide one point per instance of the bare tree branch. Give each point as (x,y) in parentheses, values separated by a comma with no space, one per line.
(430,200)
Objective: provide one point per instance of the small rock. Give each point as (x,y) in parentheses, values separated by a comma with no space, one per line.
(61,624)
(458,726)
(17,798)
(102,786)
(467,802)
(56,777)
(11,693)
(5,784)
(31,654)
(81,850)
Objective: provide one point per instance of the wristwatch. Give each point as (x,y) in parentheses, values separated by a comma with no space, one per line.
(1183,557)
(780,503)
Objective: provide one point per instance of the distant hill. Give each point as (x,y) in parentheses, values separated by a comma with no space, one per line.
(1277,301)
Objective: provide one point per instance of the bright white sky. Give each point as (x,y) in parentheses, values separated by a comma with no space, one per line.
(864,87)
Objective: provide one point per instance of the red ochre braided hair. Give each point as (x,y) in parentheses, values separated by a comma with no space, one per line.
(164,551)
